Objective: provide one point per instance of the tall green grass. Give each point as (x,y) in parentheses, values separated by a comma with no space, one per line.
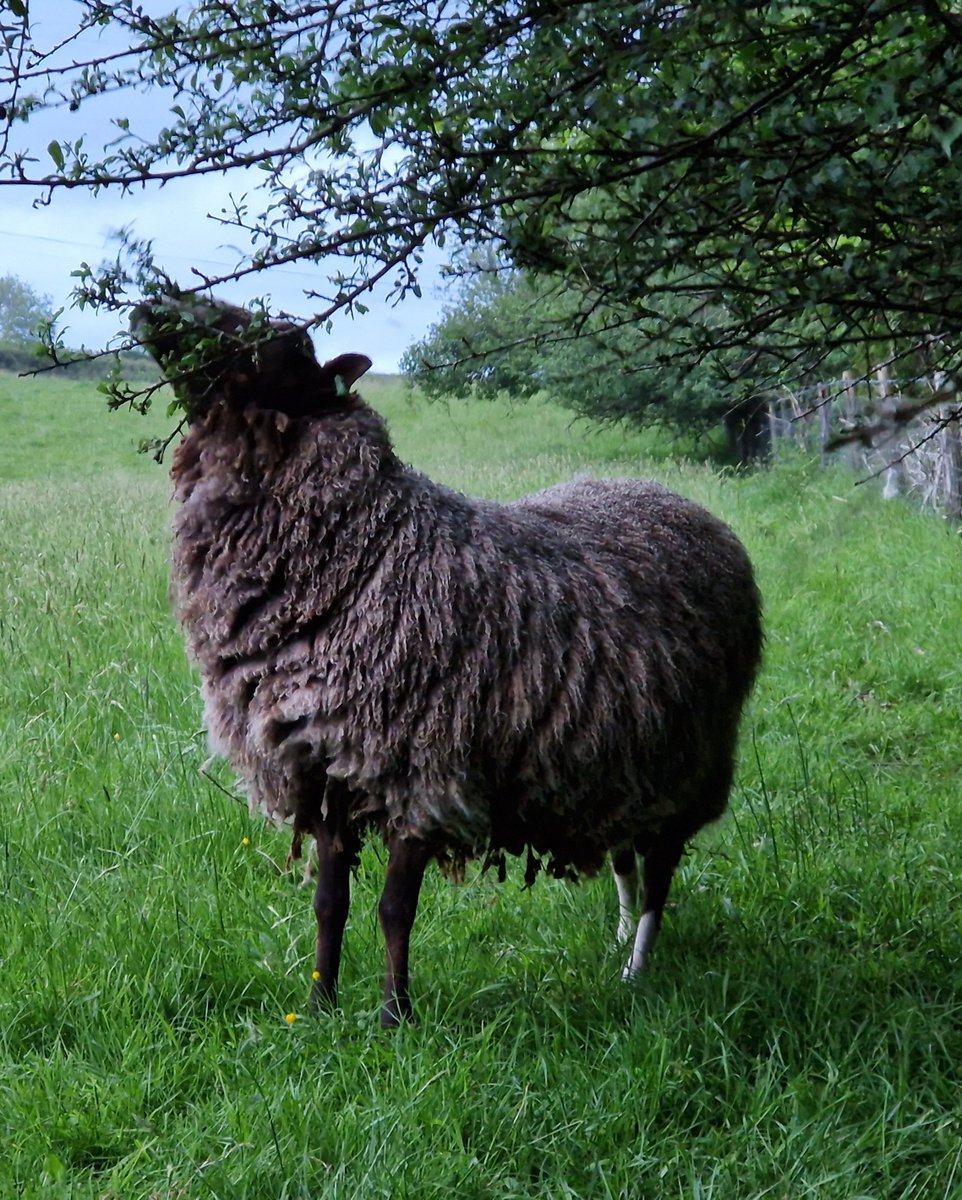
(800,1032)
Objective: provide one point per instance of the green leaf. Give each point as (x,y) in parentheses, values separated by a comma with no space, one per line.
(56,153)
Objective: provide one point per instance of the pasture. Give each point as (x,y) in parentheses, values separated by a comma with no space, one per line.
(800,1032)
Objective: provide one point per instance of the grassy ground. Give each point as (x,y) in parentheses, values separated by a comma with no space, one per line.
(800,1033)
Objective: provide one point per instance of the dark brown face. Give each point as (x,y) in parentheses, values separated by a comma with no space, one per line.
(216,353)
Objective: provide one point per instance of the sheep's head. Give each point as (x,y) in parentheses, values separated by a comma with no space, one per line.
(214,353)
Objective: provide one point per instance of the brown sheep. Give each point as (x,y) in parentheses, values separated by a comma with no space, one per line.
(560,677)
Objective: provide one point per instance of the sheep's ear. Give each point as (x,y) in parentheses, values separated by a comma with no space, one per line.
(345,370)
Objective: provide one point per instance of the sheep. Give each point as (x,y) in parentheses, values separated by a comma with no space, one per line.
(560,677)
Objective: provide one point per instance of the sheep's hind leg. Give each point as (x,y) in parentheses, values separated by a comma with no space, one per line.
(332,898)
(398,906)
(624,866)
(660,863)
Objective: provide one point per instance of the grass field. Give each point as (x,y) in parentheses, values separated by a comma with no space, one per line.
(799,1035)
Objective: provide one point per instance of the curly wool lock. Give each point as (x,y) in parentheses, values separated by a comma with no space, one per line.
(562,675)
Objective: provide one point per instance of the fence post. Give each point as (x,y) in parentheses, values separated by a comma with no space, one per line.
(824,404)
(894,475)
(950,444)
(856,451)
(781,416)
(774,433)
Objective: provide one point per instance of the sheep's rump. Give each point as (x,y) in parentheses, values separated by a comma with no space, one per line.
(561,674)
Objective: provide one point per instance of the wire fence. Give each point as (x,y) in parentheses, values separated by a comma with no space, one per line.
(920,458)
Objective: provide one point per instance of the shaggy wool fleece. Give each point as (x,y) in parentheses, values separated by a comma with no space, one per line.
(559,675)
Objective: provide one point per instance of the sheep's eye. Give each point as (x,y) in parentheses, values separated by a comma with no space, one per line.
(294,349)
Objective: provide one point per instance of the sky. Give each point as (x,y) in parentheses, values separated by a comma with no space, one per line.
(43,244)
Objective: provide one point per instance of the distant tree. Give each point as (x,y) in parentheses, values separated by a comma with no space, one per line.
(782,181)
(22,310)
(517,332)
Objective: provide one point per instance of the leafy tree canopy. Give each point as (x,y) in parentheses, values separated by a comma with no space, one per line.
(764,183)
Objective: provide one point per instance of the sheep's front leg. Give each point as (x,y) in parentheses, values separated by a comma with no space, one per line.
(332,898)
(407,860)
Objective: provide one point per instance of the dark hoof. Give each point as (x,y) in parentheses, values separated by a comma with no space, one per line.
(323,1001)
(393,1017)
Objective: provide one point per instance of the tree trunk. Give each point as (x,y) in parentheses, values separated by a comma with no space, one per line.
(749,432)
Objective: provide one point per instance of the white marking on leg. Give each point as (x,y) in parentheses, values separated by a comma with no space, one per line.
(627,886)
(644,940)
